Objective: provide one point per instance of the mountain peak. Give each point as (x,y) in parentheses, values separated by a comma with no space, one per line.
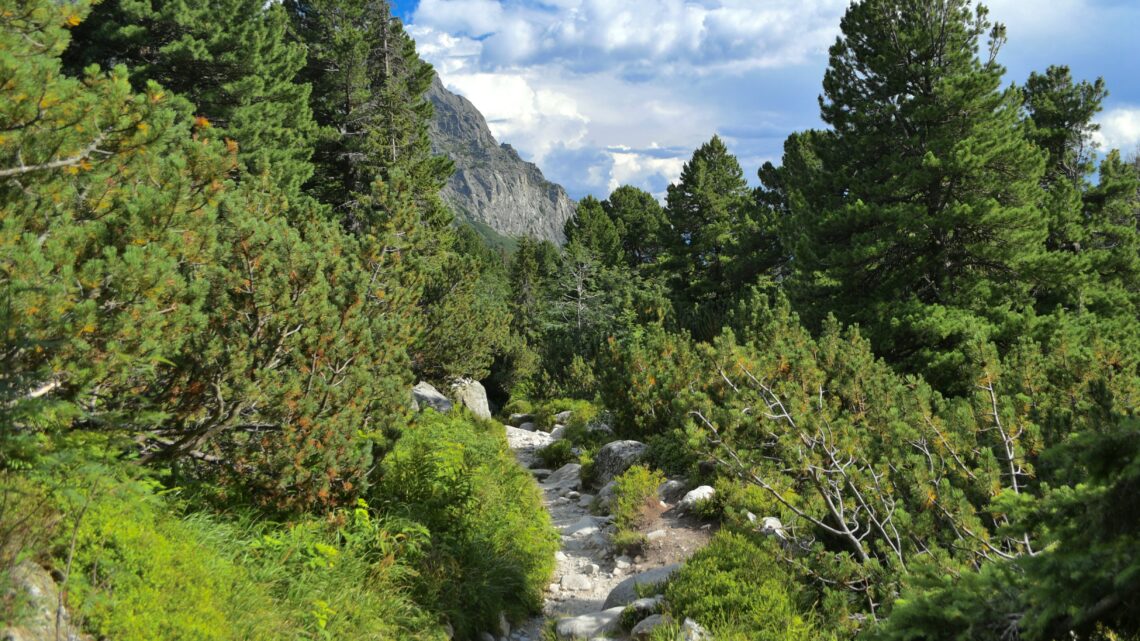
(492,184)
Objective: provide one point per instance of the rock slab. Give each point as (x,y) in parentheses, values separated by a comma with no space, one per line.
(472,395)
(625,592)
(616,457)
(588,626)
(702,493)
(492,185)
(425,395)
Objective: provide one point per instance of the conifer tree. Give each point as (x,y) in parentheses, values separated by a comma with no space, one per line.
(592,229)
(929,231)
(110,202)
(368,98)
(1059,118)
(231,59)
(713,226)
(640,222)
(532,269)
(1112,239)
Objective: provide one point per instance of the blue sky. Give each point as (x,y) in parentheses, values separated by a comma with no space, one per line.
(601,93)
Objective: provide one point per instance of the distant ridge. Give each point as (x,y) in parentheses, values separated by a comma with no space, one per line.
(493,187)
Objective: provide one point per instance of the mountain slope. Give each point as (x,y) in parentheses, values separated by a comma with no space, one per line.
(492,186)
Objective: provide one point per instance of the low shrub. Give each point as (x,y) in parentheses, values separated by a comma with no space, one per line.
(581,412)
(671,453)
(738,590)
(629,542)
(635,496)
(557,454)
(491,542)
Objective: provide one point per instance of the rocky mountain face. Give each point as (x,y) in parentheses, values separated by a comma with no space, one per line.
(492,185)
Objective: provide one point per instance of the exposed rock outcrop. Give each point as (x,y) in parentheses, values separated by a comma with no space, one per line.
(702,493)
(43,619)
(492,185)
(425,395)
(625,592)
(616,457)
(472,395)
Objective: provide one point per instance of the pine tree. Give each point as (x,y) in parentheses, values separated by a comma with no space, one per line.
(1112,240)
(592,229)
(532,269)
(712,222)
(368,98)
(640,223)
(231,59)
(1059,118)
(925,229)
(110,202)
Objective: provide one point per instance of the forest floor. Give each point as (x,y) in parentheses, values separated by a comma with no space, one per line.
(587,566)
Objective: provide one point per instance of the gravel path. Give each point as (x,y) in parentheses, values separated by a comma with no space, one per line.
(587,569)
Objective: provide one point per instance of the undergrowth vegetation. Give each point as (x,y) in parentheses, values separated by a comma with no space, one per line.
(740,590)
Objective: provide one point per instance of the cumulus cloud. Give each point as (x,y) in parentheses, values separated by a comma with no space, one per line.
(601,93)
(588,35)
(1119,129)
(532,119)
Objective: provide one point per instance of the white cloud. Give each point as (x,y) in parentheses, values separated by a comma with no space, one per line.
(588,35)
(587,87)
(1119,129)
(467,17)
(633,168)
(534,120)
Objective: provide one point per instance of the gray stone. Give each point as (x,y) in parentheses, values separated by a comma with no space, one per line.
(39,591)
(585,500)
(693,631)
(581,528)
(530,427)
(625,592)
(568,476)
(772,526)
(616,457)
(526,444)
(671,490)
(588,626)
(606,496)
(540,474)
(486,636)
(656,535)
(642,608)
(599,426)
(702,493)
(592,541)
(576,582)
(471,394)
(562,418)
(516,420)
(504,625)
(644,628)
(558,432)
(427,396)
(492,185)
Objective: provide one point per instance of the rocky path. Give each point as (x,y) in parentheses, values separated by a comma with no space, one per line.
(591,585)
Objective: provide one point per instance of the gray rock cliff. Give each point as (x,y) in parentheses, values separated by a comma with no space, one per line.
(492,185)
